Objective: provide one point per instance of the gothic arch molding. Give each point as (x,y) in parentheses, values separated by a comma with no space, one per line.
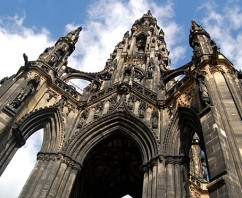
(48,118)
(184,124)
(97,131)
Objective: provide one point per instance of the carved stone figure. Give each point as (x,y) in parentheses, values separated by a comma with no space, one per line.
(140,43)
(112,102)
(25,92)
(203,91)
(154,119)
(83,118)
(142,108)
(98,110)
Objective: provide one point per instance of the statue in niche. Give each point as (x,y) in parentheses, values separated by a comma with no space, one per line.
(137,76)
(203,89)
(98,109)
(25,92)
(127,72)
(150,69)
(154,119)
(112,66)
(142,108)
(84,116)
(112,102)
(140,43)
(196,49)
(161,85)
(131,101)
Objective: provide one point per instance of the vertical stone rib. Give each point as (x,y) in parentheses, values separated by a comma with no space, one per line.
(149,195)
(7,155)
(57,180)
(145,185)
(63,182)
(170,181)
(69,183)
(154,181)
(178,181)
(161,178)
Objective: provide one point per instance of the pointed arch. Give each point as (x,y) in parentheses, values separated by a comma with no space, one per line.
(48,118)
(120,122)
(178,137)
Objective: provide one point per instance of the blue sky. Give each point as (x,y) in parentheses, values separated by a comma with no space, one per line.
(29,26)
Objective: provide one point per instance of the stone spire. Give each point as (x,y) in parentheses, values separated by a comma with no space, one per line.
(56,56)
(201,42)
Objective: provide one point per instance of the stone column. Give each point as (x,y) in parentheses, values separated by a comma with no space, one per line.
(161,178)
(145,182)
(53,176)
(170,186)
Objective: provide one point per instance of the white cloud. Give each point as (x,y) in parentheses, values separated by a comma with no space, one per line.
(225,27)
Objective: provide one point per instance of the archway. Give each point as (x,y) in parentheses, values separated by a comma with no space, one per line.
(112,169)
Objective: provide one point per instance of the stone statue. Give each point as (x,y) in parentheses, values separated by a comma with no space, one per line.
(25,92)
(203,89)
(154,119)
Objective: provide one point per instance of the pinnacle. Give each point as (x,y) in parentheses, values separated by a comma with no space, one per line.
(74,35)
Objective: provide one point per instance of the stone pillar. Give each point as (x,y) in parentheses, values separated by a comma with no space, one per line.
(161,178)
(170,189)
(145,182)
(52,176)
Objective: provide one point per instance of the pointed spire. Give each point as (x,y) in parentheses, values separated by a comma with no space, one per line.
(197,29)
(74,35)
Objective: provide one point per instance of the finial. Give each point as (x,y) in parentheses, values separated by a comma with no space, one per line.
(195,27)
(74,35)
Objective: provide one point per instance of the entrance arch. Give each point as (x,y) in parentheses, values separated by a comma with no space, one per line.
(112,169)
(112,151)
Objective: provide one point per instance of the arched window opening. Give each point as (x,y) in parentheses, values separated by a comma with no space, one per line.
(114,162)
(18,170)
(138,75)
(198,169)
(141,43)
(78,84)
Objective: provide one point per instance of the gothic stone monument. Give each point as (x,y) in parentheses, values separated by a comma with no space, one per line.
(136,128)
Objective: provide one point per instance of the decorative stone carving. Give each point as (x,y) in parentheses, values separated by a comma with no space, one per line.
(142,109)
(83,118)
(154,119)
(98,110)
(52,94)
(140,43)
(150,69)
(131,101)
(203,91)
(25,92)
(123,89)
(112,102)
(18,135)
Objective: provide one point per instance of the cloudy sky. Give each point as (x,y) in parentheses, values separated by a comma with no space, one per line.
(29,26)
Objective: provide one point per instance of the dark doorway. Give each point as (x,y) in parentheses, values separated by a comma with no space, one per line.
(112,169)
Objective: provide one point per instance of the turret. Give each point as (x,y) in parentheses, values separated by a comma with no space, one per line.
(56,56)
(201,42)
